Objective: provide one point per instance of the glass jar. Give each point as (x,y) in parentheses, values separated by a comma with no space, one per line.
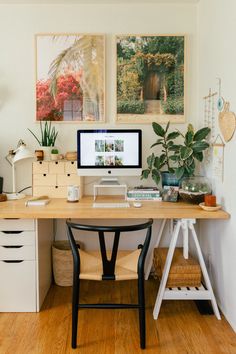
(193,189)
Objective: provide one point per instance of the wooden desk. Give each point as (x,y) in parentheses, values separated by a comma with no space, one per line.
(61,209)
(184,214)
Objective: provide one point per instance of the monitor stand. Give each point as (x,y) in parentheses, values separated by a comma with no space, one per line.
(111,181)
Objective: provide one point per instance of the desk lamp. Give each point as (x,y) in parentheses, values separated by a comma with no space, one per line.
(15,156)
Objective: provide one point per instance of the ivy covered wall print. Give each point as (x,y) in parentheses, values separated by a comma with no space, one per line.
(150,78)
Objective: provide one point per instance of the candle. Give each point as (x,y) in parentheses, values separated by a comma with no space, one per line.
(210,200)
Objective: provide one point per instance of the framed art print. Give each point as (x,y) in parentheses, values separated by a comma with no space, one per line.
(70,77)
(150,78)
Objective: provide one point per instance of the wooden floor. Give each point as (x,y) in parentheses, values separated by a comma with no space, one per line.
(179,329)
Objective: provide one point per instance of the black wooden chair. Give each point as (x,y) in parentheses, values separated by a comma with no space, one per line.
(122,265)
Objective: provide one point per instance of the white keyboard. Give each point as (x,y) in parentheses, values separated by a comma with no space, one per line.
(111,205)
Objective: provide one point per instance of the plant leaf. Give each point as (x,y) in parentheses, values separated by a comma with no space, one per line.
(189,137)
(185,152)
(174,158)
(150,160)
(179,172)
(158,142)
(156,176)
(172,135)
(157,162)
(145,174)
(167,127)
(158,129)
(198,155)
(200,146)
(201,134)
(174,148)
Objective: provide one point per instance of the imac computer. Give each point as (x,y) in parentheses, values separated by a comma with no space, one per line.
(109,152)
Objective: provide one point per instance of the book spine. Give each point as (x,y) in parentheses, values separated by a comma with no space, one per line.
(132,199)
(143,195)
(144,191)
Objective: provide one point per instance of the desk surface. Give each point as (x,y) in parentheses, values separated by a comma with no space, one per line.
(61,209)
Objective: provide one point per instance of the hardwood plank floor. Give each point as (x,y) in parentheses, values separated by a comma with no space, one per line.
(179,329)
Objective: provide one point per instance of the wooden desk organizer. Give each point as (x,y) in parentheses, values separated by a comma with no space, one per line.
(52,178)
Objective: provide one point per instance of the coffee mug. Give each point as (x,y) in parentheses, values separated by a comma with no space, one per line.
(73,194)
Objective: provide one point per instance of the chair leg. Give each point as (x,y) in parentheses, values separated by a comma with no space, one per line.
(141,301)
(75,308)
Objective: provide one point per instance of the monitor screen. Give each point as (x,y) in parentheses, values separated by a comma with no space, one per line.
(109,152)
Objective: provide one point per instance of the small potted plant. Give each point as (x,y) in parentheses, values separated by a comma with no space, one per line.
(54,154)
(176,160)
(47,138)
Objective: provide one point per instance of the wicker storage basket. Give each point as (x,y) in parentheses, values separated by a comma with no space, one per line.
(183,272)
(62,263)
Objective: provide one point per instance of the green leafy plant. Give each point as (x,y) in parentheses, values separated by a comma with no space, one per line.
(48,134)
(54,151)
(179,159)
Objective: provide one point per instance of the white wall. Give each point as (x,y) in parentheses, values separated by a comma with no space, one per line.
(217,54)
(19,23)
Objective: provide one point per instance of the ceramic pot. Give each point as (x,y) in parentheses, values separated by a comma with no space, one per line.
(54,157)
(46,152)
(169,179)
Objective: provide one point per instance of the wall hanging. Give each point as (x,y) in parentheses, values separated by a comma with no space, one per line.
(150,78)
(218,159)
(70,77)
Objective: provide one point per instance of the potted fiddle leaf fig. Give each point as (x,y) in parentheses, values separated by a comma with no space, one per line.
(176,160)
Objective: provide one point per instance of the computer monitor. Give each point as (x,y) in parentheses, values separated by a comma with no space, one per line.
(109,152)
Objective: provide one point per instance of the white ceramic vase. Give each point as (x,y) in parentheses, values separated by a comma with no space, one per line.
(46,152)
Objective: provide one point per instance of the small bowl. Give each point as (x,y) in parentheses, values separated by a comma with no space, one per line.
(210,208)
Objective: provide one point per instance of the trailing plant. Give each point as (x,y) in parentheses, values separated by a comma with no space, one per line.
(179,159)
(48,134)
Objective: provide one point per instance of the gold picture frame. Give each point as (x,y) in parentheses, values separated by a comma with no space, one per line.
(150,78)
(70,77)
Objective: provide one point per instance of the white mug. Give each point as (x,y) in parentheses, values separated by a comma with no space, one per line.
(73,194)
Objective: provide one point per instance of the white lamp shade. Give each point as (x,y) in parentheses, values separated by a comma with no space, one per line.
(22,153)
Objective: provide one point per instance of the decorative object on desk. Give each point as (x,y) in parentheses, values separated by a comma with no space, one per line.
(70,77)
(194,189)
(218,159)
(54,154)
(71,156)
(210,208)
(210,200)
(39,155)
(143,193)
(3,197)
(170,194)
(176,159)
(47,139)
(13,157)
(227,122)
(150,78)
(73,194)
(41,200)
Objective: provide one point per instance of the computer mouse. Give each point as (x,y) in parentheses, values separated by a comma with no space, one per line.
(137,205)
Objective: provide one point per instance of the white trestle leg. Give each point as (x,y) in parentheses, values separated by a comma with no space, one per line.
(184,293)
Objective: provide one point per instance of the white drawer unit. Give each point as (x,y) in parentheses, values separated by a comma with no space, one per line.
(19,252)
(51,178)
(15,238)
(18,286)
(25,263)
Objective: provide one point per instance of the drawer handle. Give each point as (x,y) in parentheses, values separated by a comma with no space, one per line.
(44,175)
(18,261)
(72,163)
(13,246)
(12,232)
(68,174)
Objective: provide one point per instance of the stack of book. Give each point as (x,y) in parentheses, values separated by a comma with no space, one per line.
(144,193)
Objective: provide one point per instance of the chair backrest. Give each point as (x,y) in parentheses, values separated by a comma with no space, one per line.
(109,264)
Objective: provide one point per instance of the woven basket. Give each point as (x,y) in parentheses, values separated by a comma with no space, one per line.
(62,263)
(183,272)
